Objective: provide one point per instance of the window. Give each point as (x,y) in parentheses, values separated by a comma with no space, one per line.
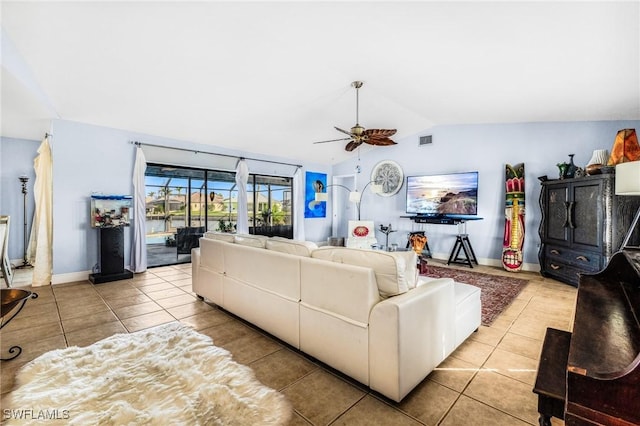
(186,201)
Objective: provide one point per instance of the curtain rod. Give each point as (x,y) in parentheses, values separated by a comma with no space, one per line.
(215,153)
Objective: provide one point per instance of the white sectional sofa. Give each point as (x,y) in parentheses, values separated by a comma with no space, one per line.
(365,313)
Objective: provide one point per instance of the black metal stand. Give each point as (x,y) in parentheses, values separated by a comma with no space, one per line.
(462,244)
(15,297)
(25,260)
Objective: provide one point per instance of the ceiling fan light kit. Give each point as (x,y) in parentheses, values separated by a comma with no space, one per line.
(359,135)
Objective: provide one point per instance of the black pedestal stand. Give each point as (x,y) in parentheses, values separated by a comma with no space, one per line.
(462,244)
(111,257)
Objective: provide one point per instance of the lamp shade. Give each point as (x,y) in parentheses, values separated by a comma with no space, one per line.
(628,178)
(322,196)
(625,147)
(376,188)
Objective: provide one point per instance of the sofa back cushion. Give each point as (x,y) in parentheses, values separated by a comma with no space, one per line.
(269,271)
(250,240)
(220,236)
(390,269)
(411,265)
(285,245)
(211,254)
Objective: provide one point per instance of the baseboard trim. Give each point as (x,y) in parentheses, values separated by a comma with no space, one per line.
(70,277)
(529,267)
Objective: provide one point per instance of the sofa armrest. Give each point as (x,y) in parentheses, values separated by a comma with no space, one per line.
(409,335)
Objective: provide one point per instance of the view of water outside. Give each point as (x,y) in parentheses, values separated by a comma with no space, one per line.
(168,205)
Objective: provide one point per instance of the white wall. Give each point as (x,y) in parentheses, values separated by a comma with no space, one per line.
(486,148)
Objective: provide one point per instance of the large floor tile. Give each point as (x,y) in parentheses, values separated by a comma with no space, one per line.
(150,288)
(468,411)
(281,368)
(147,320)
(164,294)
(31,334)
(90,335)
(189,309)
(454,373)
(322,397)
(80,310)
(513,365)
(136,310)
(97,318)
(506,394)
(229,331)
(251,347)
(521,345)
(429,402)
(206,319)
(128,301)
(488,335)
(176,301)
(473,352)
(370,411)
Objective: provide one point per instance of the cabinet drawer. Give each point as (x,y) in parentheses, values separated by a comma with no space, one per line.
(563,272)
(585,261)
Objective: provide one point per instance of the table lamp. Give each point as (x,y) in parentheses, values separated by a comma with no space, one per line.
(628,184)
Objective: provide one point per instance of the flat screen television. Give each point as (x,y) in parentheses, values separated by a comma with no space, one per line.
(443,195)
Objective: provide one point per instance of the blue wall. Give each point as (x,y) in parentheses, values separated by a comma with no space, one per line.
(486,148)
(90,159)
(16,159)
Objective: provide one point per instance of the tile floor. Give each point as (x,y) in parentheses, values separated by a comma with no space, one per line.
(486,381)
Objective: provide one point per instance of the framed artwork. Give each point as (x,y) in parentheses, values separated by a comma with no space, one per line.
(314,182)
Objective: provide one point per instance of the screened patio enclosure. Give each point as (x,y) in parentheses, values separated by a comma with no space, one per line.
(183,203)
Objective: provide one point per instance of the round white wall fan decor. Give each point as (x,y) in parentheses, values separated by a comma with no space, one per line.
(389,174)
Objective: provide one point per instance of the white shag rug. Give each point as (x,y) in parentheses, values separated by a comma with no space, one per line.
(168,374)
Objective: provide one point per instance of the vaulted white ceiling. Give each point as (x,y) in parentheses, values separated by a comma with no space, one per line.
(272,77)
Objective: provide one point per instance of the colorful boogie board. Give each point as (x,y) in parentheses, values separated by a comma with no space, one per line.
(514,218)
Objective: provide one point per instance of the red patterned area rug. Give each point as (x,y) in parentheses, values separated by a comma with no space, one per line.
(497,292)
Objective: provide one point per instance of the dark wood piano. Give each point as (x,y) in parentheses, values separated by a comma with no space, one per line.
(591,376)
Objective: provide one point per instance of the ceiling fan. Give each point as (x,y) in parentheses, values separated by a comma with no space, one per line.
(359,135)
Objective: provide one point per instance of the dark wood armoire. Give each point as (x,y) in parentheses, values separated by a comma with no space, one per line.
(583,224)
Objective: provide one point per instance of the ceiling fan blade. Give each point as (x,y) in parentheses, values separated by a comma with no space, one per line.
(343,131)
(380,141)
(334,140)
(379,133)
(352,145)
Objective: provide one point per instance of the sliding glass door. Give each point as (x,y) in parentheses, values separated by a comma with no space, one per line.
(183,203)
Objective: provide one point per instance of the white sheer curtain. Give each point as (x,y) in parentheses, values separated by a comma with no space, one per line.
(242,176)
(41,238)
(138,262)
(298,207)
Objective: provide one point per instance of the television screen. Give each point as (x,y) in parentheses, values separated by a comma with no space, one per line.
(445,194)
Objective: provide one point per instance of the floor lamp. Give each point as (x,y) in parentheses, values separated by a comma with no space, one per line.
(25,259)
(628,184)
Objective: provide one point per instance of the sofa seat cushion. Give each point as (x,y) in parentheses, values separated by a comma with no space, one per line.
(390,270)
(296,247)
